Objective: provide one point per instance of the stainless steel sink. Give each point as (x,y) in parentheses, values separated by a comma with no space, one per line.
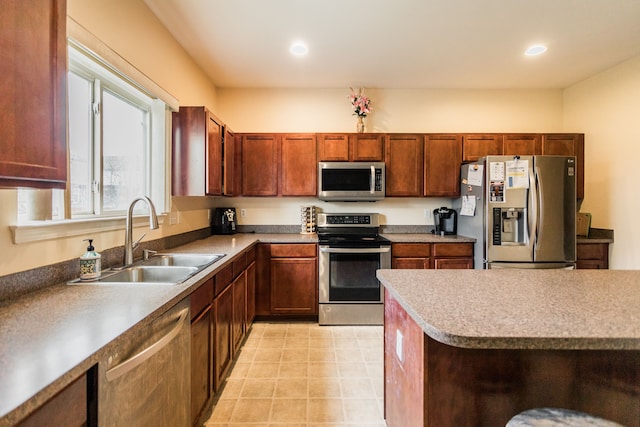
(160,269)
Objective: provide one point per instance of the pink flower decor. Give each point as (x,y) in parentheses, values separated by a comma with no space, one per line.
(361,104)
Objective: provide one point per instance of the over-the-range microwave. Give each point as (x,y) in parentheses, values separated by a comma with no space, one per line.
(351,181)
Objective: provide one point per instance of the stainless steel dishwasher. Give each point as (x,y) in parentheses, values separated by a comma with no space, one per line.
(146,381)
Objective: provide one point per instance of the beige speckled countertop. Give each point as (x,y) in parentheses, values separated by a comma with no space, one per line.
(527,309)
(50,337)
(427,238)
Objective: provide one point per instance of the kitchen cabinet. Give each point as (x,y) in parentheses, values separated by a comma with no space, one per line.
(230,164)
(197,153)
(298,165)
(259,164)
(475,146)
(442,159)
(287,281)
(222,326)
(239,309)
(33,147)
(404,164)
(594,256)
(567,144)
(350,147)
(333,147)
(521,144)
(432,255)
(201,348)
(76,399)
(250,310)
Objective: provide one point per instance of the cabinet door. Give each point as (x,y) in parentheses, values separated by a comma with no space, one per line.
(571,144)
(229,179)
(443,157)
(223,321)
(298,166)
(366,147)
(333,147)
(477,146)
(453,263)
(404,162)
(33,145)
(410,255)
(410,263)
(200,362)
(521,145)
(251,294)
(260,154)
(294,288)
(239,313)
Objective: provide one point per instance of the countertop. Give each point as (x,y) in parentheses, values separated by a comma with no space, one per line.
(524,309)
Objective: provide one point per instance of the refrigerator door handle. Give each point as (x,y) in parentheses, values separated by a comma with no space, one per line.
(534,207)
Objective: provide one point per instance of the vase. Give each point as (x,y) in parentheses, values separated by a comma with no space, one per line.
(360,124)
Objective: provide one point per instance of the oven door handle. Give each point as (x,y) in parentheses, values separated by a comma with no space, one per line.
(355,250)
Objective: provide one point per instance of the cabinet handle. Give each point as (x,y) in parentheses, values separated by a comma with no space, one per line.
(146,354)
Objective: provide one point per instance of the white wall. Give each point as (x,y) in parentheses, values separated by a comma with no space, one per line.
(606,108)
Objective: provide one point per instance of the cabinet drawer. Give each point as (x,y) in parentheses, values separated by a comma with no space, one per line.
(201,298)
(411,250)
(452,249)
(293,251)
(239,264)
(592,251)
(223,279)
(251,255)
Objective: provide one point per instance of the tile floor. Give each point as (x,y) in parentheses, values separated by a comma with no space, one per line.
(303,374)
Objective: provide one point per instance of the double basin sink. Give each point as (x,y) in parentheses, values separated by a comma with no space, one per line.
(160,269)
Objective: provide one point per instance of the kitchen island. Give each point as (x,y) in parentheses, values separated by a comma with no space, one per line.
(474,348)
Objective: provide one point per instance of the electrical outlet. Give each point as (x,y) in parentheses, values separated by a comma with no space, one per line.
(427,213)
(399,344)
(173,218)
(243,213)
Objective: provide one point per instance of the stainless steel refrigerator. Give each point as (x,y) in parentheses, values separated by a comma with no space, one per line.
(521,210)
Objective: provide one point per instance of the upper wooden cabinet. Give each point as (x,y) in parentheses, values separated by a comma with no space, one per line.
(333,147)
(404,165)
(259,164)
(298,176)
(521,144)
(350,147)
(476,146)
(442,159)
(33,146)
(567,144)
(197,153)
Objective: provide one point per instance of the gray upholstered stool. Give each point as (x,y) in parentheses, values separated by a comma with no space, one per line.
(557,417)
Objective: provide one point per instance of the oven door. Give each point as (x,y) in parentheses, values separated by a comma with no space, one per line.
(348,275)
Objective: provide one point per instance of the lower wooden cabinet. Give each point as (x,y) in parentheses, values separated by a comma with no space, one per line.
(239,309)
(592,256)
(432,255)
(222,335)
(201,367)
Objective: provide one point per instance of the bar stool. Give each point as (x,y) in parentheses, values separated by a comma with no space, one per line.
(558,417)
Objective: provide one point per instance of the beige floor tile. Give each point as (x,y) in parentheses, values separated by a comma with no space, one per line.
(322,355)
(268,355)
(321,342)
(344,342)
(325,410)
(357,388)
(251,410)
(295,355)
(271,342)
(297,342)
(349,355)
(289,410)
(240,370)
(256,388)
(263,370)
(324,387)
(353,370)
(232,388)
(361,410)
(291,387)
(293,370)
(323,370)
(222,411)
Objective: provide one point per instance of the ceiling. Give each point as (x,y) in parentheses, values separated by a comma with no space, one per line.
(403,44)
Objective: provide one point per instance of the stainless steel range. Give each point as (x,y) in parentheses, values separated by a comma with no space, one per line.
(351,250)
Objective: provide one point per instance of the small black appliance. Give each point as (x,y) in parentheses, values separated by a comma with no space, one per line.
(224,221)
(445,220)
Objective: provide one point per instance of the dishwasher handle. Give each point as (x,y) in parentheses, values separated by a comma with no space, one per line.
(139,358)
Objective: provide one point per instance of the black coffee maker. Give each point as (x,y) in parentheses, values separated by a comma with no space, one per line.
(445,220)
(224,221)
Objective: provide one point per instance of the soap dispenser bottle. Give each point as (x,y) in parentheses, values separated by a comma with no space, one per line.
(90,263)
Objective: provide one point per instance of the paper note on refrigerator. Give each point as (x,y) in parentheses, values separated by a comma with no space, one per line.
(496,171)
(517,174)
(474,176)
(468,206)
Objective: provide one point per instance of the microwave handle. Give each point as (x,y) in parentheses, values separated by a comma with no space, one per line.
(372,187)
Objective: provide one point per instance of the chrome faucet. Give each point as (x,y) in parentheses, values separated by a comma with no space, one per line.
(129,245)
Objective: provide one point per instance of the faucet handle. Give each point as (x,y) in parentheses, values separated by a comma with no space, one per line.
(148,253)
(135,244)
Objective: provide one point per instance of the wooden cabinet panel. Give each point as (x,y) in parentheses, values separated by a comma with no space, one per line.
(201,298)
(477,146)
(33,146)
(404,165)
(201,365)
(260,154)
(294,288)
(333,147)
(230,165)
(366,147)
(453,250)
(223,279)
(239,309)
(453,263)
(567,145)
(298,165)
(522,144)
(437,255)
(411,263)
(222,334)
(293,250)
(593,256)
(250,310)
(411,255)
(443,157)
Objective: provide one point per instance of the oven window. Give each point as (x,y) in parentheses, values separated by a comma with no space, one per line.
(346,179)
(352,277)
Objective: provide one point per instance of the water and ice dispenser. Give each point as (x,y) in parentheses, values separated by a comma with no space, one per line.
(509,226)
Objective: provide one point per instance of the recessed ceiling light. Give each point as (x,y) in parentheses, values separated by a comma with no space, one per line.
(299,49)
(535,50)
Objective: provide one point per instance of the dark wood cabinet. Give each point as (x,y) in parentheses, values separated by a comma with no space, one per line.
(239,309)
(201,347)
(333,147)
(366,147)
(298,165)
(442,160)
(404,165)
(432,255)
(33,105)
(592,256)
(222,333)
(564,144)
(521,144)
(250,310)
(197,153)
(230,164)
(259,164)
(475,146)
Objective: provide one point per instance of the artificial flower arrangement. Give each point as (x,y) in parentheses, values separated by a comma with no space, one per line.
(361,104)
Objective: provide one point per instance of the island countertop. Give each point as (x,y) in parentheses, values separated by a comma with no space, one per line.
(522,309)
